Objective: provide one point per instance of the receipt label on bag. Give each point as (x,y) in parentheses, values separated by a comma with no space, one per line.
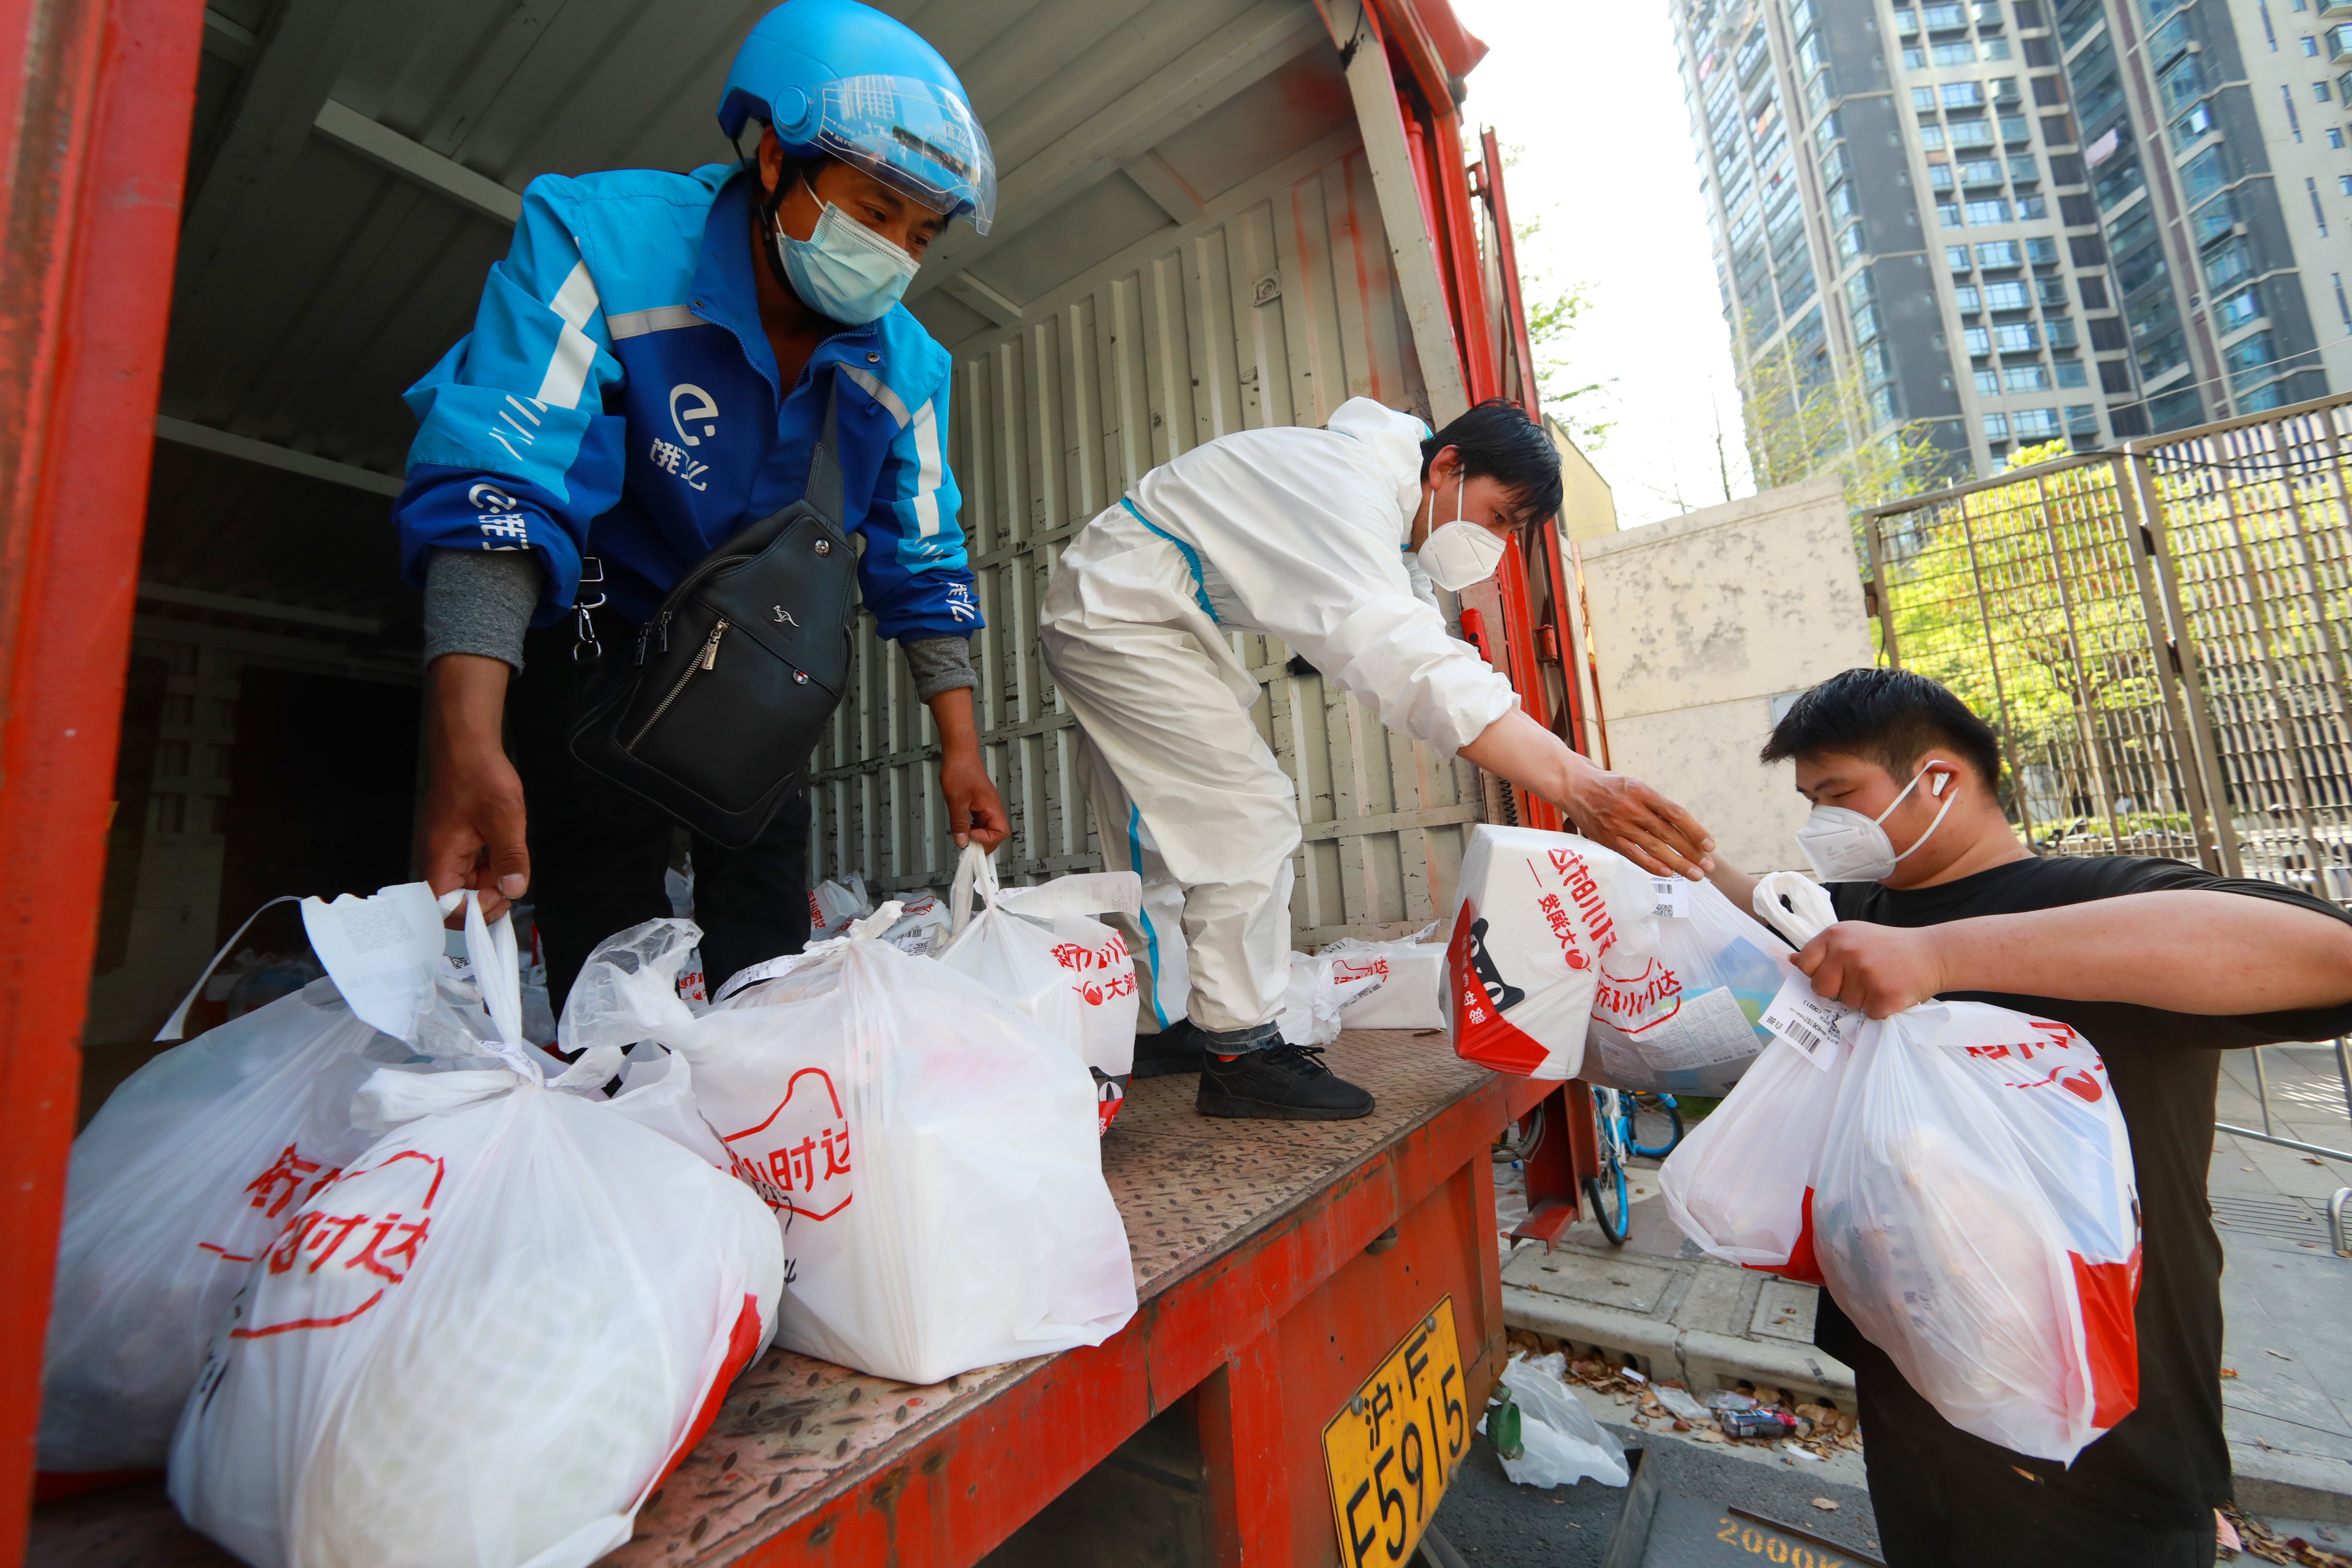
(1812,1024)
(1674,897)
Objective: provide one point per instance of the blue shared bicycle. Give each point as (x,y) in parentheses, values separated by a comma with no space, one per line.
(1621,1119)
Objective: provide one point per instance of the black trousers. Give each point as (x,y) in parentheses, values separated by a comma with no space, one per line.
(597,856)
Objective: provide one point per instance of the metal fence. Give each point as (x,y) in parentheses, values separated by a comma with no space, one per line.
(2158,634)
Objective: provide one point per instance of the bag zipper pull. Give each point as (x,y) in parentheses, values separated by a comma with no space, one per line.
(710,648)
(663,626)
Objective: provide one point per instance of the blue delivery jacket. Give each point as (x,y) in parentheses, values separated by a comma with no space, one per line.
(617,399)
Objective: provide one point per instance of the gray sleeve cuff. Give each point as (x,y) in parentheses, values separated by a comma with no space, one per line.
(479,602)
(940,663)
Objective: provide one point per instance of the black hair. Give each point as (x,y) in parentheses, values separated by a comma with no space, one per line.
(1893,717)
(1496,440)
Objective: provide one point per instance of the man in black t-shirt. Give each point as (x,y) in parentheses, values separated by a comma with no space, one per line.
(1935,897)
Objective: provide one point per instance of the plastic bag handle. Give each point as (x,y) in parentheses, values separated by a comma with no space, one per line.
(1808,912)
(175,1027)
(975,869)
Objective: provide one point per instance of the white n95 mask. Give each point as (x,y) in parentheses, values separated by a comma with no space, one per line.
(843,270)
(1846,847)
(1460,553)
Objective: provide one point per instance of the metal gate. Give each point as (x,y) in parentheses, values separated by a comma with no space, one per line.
(2159,634)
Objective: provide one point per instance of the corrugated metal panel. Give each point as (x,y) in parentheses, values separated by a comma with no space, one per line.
(1275,308)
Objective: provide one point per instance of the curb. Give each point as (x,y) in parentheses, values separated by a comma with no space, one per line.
(1701,1358)
(2285,1484)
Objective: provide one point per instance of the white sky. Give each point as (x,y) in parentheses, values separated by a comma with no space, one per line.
(1589,93)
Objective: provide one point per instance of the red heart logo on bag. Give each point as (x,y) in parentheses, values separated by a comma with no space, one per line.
(2083,1084)
(798,1159)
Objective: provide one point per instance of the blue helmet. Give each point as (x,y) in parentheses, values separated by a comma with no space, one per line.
(840,79)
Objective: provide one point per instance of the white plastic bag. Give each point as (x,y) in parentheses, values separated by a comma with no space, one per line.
(192,1164)
(1975,1214)
(1042,950)
(1683,1020)
(1408,989)
(483,1344)
(1320,991)
(832,905)
(930,1152)
(1561,1443)
(1534,914)
(1741,1183)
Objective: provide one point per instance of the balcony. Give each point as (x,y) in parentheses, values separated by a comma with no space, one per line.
(2338,39)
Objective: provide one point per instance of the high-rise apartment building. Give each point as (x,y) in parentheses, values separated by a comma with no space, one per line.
(1936,196)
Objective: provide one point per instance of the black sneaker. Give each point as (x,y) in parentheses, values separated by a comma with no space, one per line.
(1176,1049)
(1286,1083)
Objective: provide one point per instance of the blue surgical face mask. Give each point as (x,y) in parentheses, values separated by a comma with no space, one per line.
(843,270)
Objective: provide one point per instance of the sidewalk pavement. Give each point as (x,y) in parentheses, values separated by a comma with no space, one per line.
(2286,1296)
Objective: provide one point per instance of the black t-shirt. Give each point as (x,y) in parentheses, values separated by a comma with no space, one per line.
(2167,1460)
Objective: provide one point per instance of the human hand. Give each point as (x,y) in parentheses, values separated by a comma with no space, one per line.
(1881,969)
(975,811)
(472,832)
(1639,823)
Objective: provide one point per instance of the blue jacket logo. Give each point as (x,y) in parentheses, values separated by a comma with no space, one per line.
(700,409)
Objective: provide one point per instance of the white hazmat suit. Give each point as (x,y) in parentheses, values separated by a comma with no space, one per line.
(1297,533)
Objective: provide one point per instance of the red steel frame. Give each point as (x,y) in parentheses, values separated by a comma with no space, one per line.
(100,96)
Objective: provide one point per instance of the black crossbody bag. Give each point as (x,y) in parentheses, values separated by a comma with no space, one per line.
(739,670)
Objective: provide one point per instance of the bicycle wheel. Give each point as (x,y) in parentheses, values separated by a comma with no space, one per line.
(1666,1103)
(1606,1192)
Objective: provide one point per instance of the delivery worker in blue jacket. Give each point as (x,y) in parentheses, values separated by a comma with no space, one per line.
(647,375)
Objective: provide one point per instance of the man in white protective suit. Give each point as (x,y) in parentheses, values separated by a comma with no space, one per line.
(1329,540)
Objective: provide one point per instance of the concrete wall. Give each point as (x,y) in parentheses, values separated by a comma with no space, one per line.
(1698,624)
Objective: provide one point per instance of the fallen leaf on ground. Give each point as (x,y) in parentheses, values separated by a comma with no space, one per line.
(2229,1372)
(1827,1505)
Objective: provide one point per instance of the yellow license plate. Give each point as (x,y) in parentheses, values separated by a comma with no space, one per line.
(1392,1449)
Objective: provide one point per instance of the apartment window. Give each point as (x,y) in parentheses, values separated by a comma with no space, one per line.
(1988,383)
(1866,323)
(2084,250)
(1907,22)
(2310,46)
(1817,92)
(2215,218)
(1850,242)
(2251,360)
(1931,137)
(1979,341)
(2335,136)
(1972,133)
(2029,13)
(1942,18)
(2083,419)
(1996,426)
(2180,83)
(2071,373)
(2065,169)
(1961,53)
(2034,424)
(2115,377)
(2204,174)
(2319,92)
(2077,211)
(1947,215)
(2049,91)
(2032,205)
(2287,96)
(2107,334)
(2013,128)
(1939,176)
(1914,58)
(2193,125)
(2246,305)
(1963,94)
(2343,184)
(2024,171)
(1989,212)
(2094,292)
(2016,338)
(2025,378)
(1923,99)
(2041,250)
(1964,298)
(1956,258)
(2000,253)
(2051,291)
(2006,296)
(1996,49)
(2228,263)
(2311,189)
(2060,331)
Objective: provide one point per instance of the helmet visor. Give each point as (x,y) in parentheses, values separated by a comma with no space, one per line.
(915,136)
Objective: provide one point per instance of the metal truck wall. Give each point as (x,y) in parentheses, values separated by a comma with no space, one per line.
(1274,316)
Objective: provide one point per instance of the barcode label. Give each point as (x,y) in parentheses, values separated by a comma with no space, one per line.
(1674,897)
(1812,1024)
